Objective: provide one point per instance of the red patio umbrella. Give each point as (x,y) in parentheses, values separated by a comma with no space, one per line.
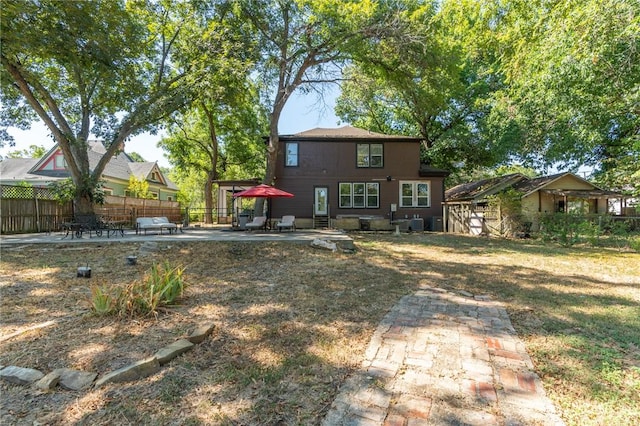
(263,191)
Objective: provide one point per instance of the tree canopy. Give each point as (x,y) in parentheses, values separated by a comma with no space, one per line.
(102,68)
(486,84)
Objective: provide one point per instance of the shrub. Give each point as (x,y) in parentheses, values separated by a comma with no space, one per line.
(162,286)
(102,300)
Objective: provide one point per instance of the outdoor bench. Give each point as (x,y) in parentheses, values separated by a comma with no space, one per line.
(154,224)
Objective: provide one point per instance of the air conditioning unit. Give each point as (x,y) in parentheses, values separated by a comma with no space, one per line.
(417,224)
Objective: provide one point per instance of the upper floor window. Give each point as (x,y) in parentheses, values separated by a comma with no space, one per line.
(370,155)
(291,154)
(415,194)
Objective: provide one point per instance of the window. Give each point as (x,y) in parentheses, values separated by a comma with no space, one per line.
(345,196)
(291,157)
(369,155)
(415,194)
(359,195)
(59,162)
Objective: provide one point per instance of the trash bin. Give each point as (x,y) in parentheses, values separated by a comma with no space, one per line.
(436,224)
(243,219)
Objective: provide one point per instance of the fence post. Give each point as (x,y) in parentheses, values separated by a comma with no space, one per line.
(35,201)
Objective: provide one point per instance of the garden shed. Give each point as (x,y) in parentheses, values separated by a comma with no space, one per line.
(468,207)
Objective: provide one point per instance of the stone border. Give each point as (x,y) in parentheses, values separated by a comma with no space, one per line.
(80,380)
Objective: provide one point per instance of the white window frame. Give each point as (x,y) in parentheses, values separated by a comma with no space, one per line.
(368,196)
(59,163)
(366,160)
(291,156)
(415,197)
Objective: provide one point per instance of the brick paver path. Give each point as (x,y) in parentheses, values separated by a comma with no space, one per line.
(440,358)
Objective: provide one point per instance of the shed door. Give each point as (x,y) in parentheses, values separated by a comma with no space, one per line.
(476,223)
(321,201)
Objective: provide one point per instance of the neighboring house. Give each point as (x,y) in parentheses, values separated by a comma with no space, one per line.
(52,168)
(351,178)
(467,208)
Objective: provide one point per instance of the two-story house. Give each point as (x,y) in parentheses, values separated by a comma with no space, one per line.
(351,178)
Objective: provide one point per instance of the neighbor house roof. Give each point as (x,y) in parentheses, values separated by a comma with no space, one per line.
(17,169)
(119,167)
(479,190)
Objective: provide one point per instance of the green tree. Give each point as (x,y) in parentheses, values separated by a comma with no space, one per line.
(298,40)
(225,126)
(34,151)
(573,69)
(99,67)
(138,187)
(136,157)
(420,79)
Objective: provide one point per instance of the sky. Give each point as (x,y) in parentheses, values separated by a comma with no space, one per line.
(302,112)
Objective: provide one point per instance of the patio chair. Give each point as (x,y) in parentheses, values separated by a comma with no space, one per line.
(287,222)
(258,222)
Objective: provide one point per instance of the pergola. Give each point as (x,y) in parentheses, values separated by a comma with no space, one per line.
(226,189)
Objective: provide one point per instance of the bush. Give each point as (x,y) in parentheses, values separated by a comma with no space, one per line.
(102,301)
(561,227)
(569,229)
(162,286)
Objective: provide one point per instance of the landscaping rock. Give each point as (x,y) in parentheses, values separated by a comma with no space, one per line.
(74,379)
(138,370)
(201,333)
(175,349)
(49,381)
(324,244)
(20,375)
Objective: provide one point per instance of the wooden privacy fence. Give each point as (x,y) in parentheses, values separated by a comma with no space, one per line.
(27,209)
(31,209)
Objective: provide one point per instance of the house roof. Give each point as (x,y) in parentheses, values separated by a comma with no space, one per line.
(345,132)
(18,169)
(479,190)
(119,167)
(428,171)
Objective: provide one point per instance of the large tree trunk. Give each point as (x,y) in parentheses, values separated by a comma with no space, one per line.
(208,198)
(272,155)
(83,205)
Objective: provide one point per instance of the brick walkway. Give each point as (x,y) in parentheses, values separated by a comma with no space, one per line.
(440,358)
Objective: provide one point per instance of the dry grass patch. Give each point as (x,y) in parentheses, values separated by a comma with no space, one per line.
(292,322)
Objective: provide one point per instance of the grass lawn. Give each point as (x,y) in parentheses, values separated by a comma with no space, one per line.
(292,322)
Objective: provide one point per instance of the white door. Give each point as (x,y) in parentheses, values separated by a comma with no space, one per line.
(476,223)
(321,201)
